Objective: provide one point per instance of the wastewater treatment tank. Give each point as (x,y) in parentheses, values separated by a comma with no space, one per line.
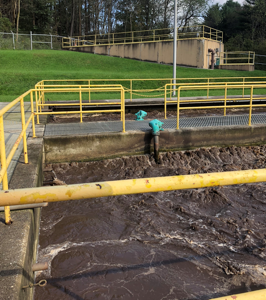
(185,244)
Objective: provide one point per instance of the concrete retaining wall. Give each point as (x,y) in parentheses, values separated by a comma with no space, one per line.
(190,52)
(237,67)
(101,146)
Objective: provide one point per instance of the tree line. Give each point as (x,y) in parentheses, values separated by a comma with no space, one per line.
(83,17)
(243,26)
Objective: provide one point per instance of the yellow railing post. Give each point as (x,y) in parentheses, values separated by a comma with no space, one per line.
(4,166)
(165,99)
(243,89)
(89,82)
(131,88)
(22,110)
(95,39)
(40,104)
(36,99)
(39,91)
(37,108)
(208,89)
(33,115)
(250,105)
(132,36)
(171,90)
(123,108)
(225,98)
(113,38)
(121,105)
(154,34)
(80,104)
(177,113)
(43,99)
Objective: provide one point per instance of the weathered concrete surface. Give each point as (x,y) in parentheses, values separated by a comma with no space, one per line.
(190,52)
(109,145)
(19,241)
(15,253)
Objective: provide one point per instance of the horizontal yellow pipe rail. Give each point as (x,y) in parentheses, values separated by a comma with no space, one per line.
(127,187)
(83,111)
(131,82)
(182,28)
(82,85)
(147,79)
(255,295)
(143,36)
(83,102)
(13,103)
(58,90)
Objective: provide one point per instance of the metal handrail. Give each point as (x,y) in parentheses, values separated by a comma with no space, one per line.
(235,58)
(129,187)
(39,95)
(132,82)
(223,100)
(143,36)
(5,160)
(245,83)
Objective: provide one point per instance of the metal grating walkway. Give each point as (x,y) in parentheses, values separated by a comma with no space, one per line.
(116,126)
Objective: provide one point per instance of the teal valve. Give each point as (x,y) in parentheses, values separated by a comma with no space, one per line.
(156,126)
(140,115)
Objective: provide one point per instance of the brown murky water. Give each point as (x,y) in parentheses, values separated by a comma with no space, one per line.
(190,244)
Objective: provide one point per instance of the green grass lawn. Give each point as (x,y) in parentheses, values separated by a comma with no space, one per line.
(21,70)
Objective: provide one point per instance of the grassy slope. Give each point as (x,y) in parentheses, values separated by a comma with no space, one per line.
(20,70)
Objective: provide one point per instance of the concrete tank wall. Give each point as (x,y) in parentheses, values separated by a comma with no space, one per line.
(191,52)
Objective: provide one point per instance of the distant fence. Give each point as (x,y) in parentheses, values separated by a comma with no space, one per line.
(29,41)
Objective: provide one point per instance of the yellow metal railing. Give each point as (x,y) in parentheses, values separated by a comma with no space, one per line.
(5,160)
(129,187)
(37,109)
(143,36)
(236,58)
(208,87)
(130,85)
(41,92)
(220,100)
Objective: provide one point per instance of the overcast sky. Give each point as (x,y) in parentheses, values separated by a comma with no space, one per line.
(223,1)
